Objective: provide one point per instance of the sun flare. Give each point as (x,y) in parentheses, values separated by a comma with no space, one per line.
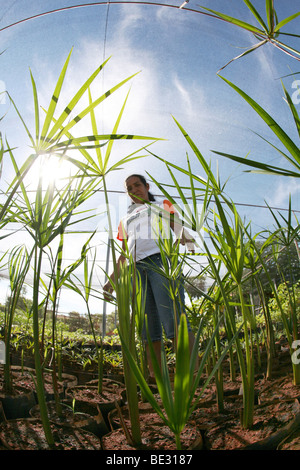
(51,170)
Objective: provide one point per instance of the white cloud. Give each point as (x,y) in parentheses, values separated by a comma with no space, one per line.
(184,93)
(286,187)
(130,18)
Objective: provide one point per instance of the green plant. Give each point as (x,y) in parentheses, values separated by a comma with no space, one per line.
(85,290)
(230,248)
(113,359)
(267,32)
(18,264)
(285,292)
(177,406)
(287,237)
(51,211)
(172,261)
(98,168)
(292,156)
(252,278)
(292,150)
(45,219)
(58,278)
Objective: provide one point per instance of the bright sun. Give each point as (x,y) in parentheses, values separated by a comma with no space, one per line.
(52,170)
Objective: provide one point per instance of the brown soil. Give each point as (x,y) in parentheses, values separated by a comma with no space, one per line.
(66,415)
(111,392)
(28,434)
(155,434)
(278,406)
(23,380)
(276,423)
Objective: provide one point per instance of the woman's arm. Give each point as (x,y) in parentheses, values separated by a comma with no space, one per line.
(181,233)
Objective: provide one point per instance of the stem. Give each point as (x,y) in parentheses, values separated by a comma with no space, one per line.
(229,334)
(248,383)
(54,373)
(271,352)
(219,372)
(178,441)
(230,314)
(99,350)
(100,368)
(38,367)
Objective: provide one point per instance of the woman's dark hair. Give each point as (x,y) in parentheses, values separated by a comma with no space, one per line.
(144,181)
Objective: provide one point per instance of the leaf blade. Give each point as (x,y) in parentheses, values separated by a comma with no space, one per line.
(54,99)
(276,129)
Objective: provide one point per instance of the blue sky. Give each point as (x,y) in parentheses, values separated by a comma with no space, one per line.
(178,54)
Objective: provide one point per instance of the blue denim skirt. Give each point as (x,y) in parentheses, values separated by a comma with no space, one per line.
(159,306)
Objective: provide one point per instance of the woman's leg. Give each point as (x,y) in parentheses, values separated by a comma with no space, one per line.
(160,309)
(166,307)
(153,321)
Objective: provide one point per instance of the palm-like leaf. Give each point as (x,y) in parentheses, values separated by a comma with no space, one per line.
(49,135)
(50,213)
(266,32)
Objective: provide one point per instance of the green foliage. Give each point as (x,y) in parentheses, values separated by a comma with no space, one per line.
(292,150)
(289,297)
(51,211)
(265,31)
(236,262)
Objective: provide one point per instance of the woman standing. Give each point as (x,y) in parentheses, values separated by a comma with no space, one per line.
(141,230)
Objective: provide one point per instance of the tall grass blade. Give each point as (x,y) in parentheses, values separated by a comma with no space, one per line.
(95,131)
(261,167)
(93,105)
(69,108)
(270,15)
(256,15)
(36,109)
(251,49)
(22,120)
(276,129)
(286,21)
(54,99)
(235,21)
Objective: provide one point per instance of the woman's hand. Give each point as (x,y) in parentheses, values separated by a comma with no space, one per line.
(187,240)
(108,288)
(107,291)
(182,235)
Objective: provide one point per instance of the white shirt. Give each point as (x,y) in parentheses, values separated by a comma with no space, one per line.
(143,225)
